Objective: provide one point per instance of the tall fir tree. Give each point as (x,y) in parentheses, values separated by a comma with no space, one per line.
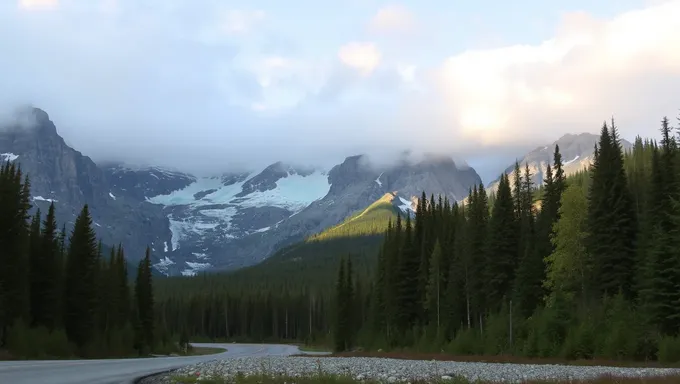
(145,303)
(80,301)
(501,252)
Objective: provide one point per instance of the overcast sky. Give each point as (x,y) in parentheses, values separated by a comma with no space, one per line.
(215,84)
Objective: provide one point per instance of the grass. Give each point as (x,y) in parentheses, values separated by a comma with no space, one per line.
(339,379)
(405,355)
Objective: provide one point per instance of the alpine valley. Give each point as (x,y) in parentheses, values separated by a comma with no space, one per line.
(235,219)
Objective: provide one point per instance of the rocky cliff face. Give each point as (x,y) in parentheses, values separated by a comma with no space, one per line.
(577,153)
(224,221)
(61,174)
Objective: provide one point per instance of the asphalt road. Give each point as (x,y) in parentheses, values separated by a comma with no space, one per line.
(122,371)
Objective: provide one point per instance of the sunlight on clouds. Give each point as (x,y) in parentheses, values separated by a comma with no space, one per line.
(364,57)
(591,65)
(38,5)
(392,18)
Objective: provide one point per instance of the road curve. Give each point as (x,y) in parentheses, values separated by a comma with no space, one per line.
(122,371)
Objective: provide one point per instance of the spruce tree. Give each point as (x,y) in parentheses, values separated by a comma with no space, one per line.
(14,277)
(80,300)
(145,303)
(35,270)
(46,271)
(435,290)
(501,256)
(407,286)
(340,329)
(612,224)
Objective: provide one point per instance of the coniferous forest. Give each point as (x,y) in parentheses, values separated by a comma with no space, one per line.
(585,266)
(60,294)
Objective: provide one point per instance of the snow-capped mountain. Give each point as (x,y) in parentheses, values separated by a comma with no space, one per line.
(227,221)
(577,153)
(62,175)
(222,209)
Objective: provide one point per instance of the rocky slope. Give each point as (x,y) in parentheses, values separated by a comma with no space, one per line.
(61,174)
(237,220)
(577,154)
(226,221)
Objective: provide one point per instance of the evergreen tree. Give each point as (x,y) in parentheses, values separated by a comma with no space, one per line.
(569,265)
(145,303)
(501,257)
(340,330)
(14,277)
(46,272)
(434,287)
(80,301)
(612,225)
(407,286)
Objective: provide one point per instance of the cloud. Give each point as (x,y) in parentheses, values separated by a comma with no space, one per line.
(236,21)
(590,70)
(362,56)
(393,19)
(38,5)
(206,88)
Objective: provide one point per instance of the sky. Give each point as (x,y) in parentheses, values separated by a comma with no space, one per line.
(213,85)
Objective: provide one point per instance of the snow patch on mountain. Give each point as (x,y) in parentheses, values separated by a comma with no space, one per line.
(195,268)
(40,198)
(8,156)
(112,196)
(377,181)
(207,207)
(163,264)
(293,192)
(572,160)
(406,206)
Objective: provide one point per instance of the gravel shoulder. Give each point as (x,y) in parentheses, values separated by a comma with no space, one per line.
(399,370)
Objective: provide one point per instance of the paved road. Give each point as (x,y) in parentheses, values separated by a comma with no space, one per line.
(121,371)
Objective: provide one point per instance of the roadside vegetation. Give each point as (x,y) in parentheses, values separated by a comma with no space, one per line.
(67,295)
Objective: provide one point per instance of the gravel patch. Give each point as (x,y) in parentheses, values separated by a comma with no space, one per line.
(393,370)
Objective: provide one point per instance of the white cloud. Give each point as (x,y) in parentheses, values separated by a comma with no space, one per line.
(38,5)
(628,67)
(393,18)
(364,57)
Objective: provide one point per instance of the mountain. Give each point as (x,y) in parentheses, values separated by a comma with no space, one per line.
(220,222)
(236,220)
(61,174)
(577,153)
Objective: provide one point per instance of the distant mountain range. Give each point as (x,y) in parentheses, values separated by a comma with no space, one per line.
(226,221)
(577,154)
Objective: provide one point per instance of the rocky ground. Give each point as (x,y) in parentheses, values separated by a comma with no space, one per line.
(392,370)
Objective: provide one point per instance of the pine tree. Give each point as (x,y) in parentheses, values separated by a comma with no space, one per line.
(350,308)
(35,275)
(340,330)
(80,301)
(501,256)
(434,287)
(14,207)
(407,286)
(612,224)
(46,272)
(145,303)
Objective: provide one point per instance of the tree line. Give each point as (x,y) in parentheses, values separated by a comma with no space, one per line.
(60,296)
(585,266)
(593,272)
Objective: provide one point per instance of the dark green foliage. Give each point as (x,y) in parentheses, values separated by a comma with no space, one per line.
(144,304)
(501,252)
(565,252)
(58,296)
(612,224)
